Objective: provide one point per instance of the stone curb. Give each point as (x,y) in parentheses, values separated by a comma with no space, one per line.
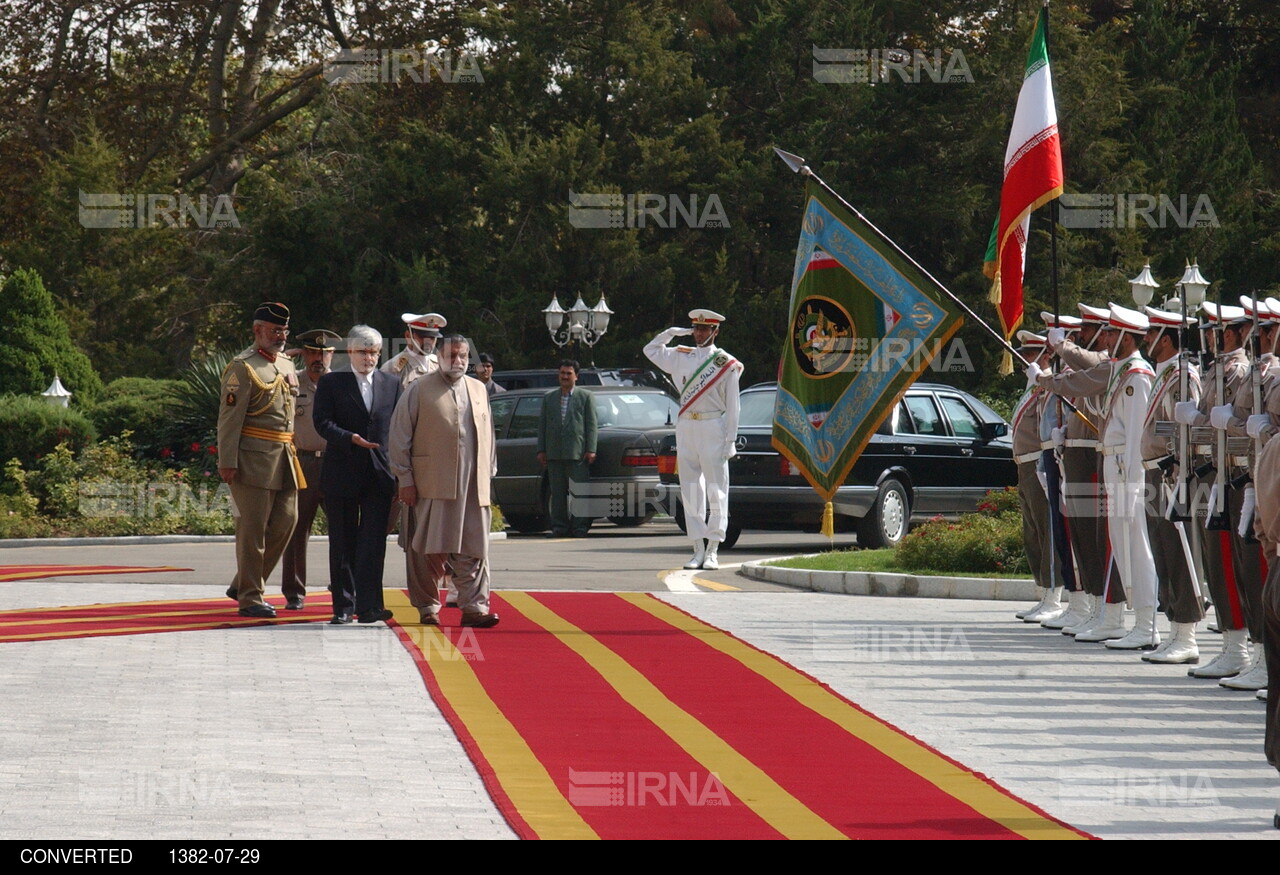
(130,540)
(885,584)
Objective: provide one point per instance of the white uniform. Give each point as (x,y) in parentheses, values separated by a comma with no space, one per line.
(705,432)
(1127,400)
(408,365)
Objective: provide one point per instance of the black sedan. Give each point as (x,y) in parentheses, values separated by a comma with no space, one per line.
(624,476)
(938,453)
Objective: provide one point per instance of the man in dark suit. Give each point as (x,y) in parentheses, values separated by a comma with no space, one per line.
(567,447)
(352,412)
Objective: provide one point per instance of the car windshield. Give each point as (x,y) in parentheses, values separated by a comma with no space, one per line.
(756,409)
(634,409)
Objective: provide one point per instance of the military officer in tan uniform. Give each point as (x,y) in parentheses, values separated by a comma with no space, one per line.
(256,456)
(1031,492)
(317,358)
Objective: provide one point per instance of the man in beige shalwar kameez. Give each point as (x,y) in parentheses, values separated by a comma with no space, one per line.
(443,455)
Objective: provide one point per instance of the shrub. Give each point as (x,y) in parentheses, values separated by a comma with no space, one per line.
(987,541)
(31,428)
(37,343)
(141,406)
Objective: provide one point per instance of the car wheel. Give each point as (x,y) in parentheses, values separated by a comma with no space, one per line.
(885,525)
(629,522)
(731,533)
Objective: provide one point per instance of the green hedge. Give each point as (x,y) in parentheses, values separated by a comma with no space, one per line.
(31,428)
(139,405)
(989,541)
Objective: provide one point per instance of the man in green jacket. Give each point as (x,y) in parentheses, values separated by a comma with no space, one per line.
(567,447)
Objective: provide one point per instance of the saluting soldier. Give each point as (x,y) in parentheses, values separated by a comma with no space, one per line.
(317,358)
(256,457)
(706,430)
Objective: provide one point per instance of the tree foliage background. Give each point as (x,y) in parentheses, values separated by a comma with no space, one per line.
(356,202)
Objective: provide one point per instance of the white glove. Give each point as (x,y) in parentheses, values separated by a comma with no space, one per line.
(1059,436)
(1033,373)
(1254,425)
(1246,512)
(1219,416)
(677,332)
(728,451)
(1044,481)
(1055,336)
(1213,499)
(1186,412)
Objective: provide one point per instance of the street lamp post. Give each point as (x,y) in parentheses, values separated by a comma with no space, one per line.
(580,325)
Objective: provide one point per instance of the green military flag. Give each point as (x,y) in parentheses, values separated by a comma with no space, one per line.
(864,322)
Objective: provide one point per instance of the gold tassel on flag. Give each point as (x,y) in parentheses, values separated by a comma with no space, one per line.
(828,521)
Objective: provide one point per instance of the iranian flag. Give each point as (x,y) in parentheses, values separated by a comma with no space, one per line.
(1032,176)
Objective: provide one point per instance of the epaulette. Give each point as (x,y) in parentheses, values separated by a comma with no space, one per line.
(685,349)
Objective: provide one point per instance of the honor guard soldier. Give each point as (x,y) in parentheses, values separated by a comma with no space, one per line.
(1031,490)
(1083,381)
(256,457)
(317,348)
(1223,380)
(1172,550)
(706,430)
(418,358)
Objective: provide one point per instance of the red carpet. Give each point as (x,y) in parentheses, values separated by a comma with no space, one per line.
(31,572)
(616,716)
(91,621)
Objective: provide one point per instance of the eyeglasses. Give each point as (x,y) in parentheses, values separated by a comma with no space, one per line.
(278,332)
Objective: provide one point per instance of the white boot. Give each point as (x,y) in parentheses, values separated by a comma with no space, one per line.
(699,555)
(1022,615)
(1253,679)
(711,561)
(1050,609)
(1079,607)
(1181,649)
(1261,695)
(1143,635)
(1110,625)
(1095,613)
(1233,659)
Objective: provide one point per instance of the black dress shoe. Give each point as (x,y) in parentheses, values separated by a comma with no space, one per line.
(294,604)
(261,612)
(232,594)
(479,621)
(374,616)
(341,619)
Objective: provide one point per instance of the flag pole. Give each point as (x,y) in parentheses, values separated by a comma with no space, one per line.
(1053,204)
(798,165)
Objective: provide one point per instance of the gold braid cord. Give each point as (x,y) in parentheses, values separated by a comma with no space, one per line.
(270,389)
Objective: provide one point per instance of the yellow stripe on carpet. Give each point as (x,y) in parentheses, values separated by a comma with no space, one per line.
(739,775)
(521,775)
(937,770)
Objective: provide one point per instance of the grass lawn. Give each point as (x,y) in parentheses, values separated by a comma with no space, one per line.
(870,560)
